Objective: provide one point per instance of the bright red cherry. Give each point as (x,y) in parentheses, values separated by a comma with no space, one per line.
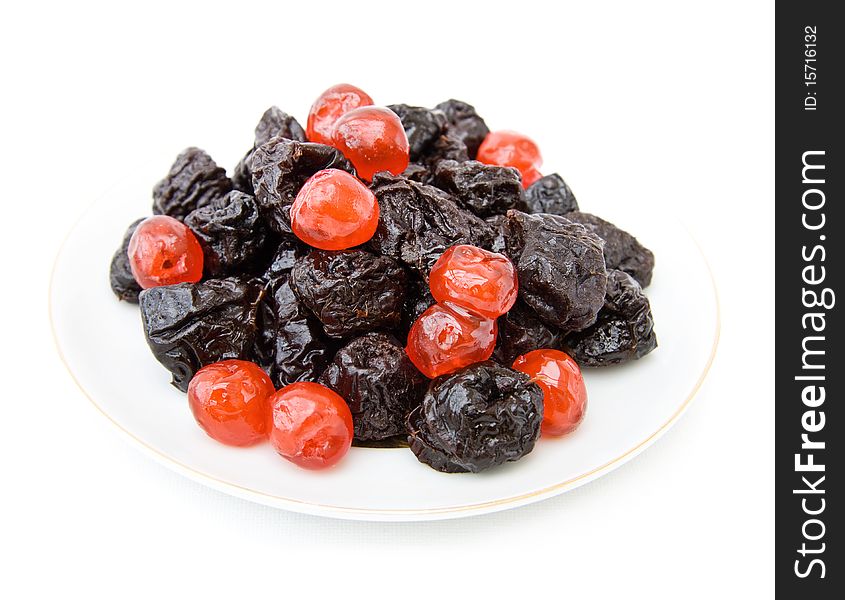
(480,281)
(230,401)
(328,108)
(564,394)
(511,149)
(373,140)
(311,425)
(163,251)
(334,211)
(446,338)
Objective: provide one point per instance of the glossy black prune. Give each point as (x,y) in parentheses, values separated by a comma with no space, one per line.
(561,270)
(274,122)
(288,250)
(465,124)
(550,194)
(231,232)
(417,300)
(280,167)
(621,250)
(350,291)
(189,325)
(378,381)
(422,126)
(418,222)
(417,172)
(445,147)
(122,281)
(485,190)
(476,418)
(293,344)
(624,330)
(194,181)
(521,331)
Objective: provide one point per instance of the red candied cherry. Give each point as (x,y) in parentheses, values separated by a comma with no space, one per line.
(480,281)
(511,149)
(329,107)
(163,251)
(373,140)
(445,338)
(564,394)
(310,425)
(229,400)
(334,211)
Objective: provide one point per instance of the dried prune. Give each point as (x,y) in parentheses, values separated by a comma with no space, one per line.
(417,172)
(486,190)
(621,250)
(292,344)
(520,331)
(422,126)
(476,418)
(561,269)
(279,169)
(417,299)
(194,181)
(188,325)
(465,123)
(373,374)
(550,194)
(274,122)
(418,222)
(624,330)
(446,147)
(350,291)
(288,250)
(231,232)
(277,123)
(122,281)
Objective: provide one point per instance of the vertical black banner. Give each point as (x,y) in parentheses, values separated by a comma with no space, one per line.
(810,443)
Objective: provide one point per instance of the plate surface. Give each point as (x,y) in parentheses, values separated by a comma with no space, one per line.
(102,344)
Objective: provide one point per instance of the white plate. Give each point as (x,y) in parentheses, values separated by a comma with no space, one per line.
(102,344)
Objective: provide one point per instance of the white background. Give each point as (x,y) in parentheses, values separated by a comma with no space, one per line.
(661,104)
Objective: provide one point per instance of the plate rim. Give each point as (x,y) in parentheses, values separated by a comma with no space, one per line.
(390,514)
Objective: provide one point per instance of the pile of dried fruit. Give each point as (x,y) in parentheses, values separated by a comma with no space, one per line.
(326,246)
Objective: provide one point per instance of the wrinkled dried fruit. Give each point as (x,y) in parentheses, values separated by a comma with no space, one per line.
(194,181)
(511,149)
(288,250)
(163,251)
(189,326)
(350,291)
(482,282)
(418,222)
(520,331)
(417,299)
(621,250)
(564,394)
(445,338)
(465,124)
(330,106)
(550,194)
(292,341)
(446,147)
(274,123)
(624,330)
(485,190)
(121,279)
(561,268)
(281,167)
(230,401)
(422,126)
(378,381)
(477,418)
(310,425)
(373,140)
(334,211)
(232,234)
